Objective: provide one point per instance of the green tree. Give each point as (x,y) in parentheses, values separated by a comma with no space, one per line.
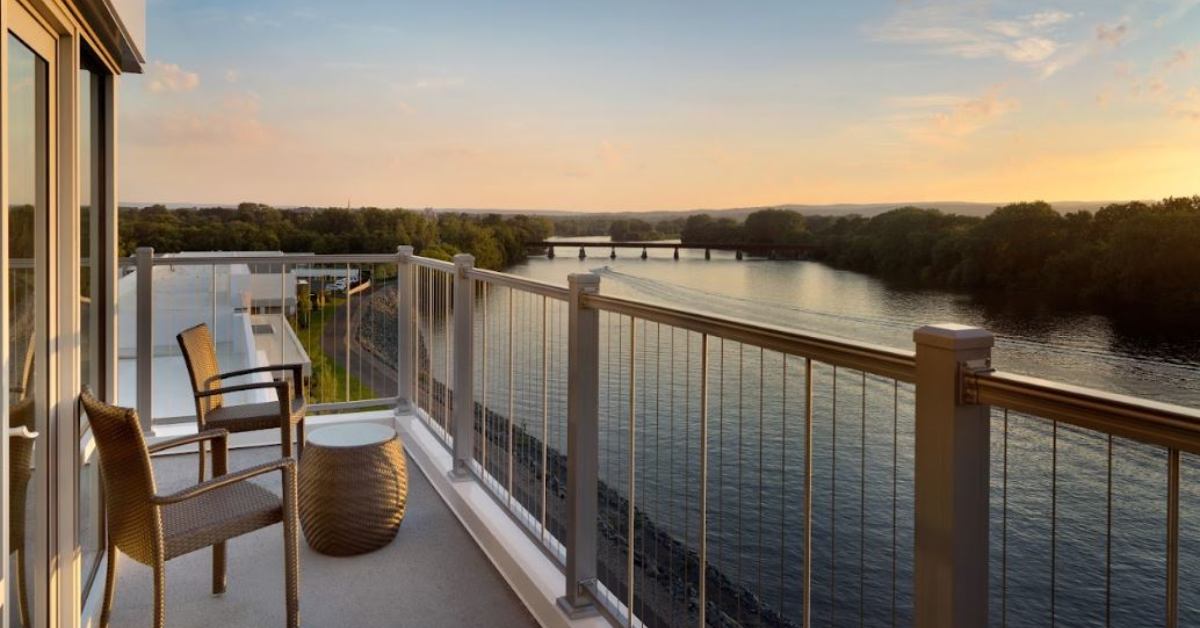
(775,226)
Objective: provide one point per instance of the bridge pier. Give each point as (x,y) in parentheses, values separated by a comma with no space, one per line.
(582,253)
(739,255)
(707,253)
(613,255)
(550,253)
(677,253)
(644,253)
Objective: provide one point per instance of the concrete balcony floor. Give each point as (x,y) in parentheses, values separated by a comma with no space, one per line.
(432,574)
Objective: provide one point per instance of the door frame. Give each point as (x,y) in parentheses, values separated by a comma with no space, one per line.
(102,323)
(39,36)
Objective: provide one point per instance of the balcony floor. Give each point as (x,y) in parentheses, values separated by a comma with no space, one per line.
(433,574)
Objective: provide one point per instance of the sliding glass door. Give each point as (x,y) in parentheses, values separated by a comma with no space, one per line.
(30,175)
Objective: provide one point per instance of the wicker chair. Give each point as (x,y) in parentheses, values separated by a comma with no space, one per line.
(21,438)
(153,528)
(200,354)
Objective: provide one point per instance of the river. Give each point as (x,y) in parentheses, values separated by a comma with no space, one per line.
(1052,523)
(1072,347)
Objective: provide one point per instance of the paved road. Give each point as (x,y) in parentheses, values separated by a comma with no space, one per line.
(370,370)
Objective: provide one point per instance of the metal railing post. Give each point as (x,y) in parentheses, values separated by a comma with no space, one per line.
(464,371)
(404,329)
(145,336)
(583,438)
(951,479)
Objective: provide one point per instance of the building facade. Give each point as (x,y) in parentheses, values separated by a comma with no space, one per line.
(61,62)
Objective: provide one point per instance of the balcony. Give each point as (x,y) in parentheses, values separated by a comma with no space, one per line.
(431,559)
(627,462)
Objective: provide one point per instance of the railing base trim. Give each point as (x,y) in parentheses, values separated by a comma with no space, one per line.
(460,475)
(577,612)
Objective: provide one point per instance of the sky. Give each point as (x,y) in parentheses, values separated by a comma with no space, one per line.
(653,105)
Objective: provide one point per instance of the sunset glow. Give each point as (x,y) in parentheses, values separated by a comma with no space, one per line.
(611,106)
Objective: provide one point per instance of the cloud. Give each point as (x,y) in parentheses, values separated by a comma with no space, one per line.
(1179,9)
(232,75)
(1046,19)
(234,122)
(963,30)
(438,83)
(169,77)
(926,101)
(972,115)
(945,118)
(1180,58)
(1187,107)
(1112,36)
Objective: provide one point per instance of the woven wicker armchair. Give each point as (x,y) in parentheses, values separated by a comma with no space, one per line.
(200,354)
(153,528)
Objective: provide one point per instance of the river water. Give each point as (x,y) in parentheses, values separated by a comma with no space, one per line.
(1069,547)
(1072,347)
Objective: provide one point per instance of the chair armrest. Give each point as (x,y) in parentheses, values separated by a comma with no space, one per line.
(22,432)
(241,387)
(286,465)
(206,435)
(296,368)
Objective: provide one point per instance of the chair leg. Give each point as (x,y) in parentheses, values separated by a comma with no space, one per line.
(291,552)
(22,588)
(110,586)
(218,568)
(203,450)
(160,594)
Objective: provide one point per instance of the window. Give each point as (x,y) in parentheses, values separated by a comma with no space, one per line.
(29,204)
(92,188)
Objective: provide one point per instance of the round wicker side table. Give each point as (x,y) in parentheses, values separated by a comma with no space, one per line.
(353,486)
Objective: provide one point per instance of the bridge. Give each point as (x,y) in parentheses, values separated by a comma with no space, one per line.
(768,250)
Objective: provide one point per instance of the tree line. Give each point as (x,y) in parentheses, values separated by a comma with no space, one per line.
(1126,258)
(1138,258)
(765,226)
(619,229)
(496,241)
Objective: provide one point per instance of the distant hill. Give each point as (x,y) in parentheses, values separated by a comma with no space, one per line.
(839,209)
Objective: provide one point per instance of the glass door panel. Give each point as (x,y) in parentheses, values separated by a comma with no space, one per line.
(29,205)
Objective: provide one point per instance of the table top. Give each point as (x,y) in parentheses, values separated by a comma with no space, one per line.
(351,435)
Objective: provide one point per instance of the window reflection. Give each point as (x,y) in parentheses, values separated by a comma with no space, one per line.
(28,114)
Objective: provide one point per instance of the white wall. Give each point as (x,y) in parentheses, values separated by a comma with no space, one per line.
(188,295)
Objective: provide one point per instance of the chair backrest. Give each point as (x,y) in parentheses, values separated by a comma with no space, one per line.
(200,354)
(134,522)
